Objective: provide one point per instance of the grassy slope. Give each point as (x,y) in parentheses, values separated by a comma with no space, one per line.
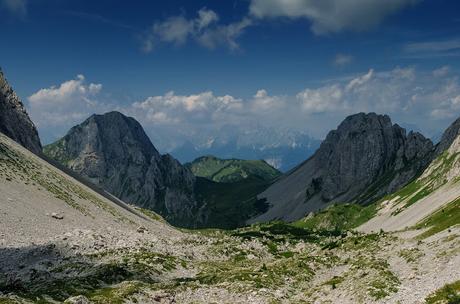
(449,294)
(232,170)
(424,186)
(229,188)
(339,217)
(231,204)
(446,217)
(57,152)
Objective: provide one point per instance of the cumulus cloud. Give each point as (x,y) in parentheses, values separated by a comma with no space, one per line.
(331,16)
(15,7)
(66,104)
(204,29)
(406,94)
(199,108)
(327,98)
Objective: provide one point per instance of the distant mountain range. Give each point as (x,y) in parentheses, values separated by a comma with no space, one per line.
(283,149)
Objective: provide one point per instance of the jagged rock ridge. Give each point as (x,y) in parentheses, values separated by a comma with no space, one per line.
(364,159)
(14,121)
(113,151)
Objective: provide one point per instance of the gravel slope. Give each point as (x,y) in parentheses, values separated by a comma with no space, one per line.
(412,214)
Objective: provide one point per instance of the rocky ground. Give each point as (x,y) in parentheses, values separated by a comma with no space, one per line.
(62,242)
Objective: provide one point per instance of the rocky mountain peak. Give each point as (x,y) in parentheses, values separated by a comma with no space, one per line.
(363,149)
(448,137)
(14,121)
(113,151)
(366,157)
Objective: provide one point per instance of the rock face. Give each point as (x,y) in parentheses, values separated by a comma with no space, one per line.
(448,137)
(364,159)
(14,121)
(113,151)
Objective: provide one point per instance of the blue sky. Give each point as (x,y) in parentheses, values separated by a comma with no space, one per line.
(186,67)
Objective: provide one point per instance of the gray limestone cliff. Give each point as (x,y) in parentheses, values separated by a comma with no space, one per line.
(14,121)
(365,158)
(113,151)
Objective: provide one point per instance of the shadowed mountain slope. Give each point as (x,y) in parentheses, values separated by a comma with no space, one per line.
(14,121)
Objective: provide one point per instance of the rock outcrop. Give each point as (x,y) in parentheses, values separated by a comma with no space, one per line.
(113,151)
(448,137)
(364,159)
(14,121)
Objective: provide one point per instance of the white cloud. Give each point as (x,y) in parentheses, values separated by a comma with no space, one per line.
(66,104)
(327,98)
(68,92)
(204,29)
(199,108)
(263,102)
(205,18)
(331,16)
(407,95)
(341,60)
(442,71)
(359,81)
(224,35)
(16,7)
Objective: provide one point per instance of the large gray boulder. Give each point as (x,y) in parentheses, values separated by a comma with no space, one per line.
(113,151)
(14,121)
(366,158)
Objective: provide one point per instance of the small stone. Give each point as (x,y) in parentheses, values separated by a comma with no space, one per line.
(141,229)
(77,300)
(57,216)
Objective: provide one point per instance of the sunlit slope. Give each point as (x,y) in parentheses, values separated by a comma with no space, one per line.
(39,201)
(431,201)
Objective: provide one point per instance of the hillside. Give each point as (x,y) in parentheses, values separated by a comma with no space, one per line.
(432,201)
(364,159)
(61,240)
(228,189)
(229,205)
(232,170)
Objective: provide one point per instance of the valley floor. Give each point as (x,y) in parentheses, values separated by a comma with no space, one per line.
(272,263)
